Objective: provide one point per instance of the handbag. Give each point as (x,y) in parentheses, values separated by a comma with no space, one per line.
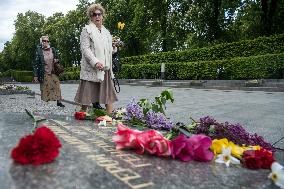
(116,85)
(115,63)
(58,69)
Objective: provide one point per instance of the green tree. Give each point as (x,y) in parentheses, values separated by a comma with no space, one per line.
(28,31)
(6,60)
(210,20)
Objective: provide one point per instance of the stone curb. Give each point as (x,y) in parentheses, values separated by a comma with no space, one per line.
(10,92)
(270,85)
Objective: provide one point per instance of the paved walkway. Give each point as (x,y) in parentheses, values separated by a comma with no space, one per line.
(79,165)
(257,111)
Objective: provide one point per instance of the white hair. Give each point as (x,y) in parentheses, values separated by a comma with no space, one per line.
(44,36)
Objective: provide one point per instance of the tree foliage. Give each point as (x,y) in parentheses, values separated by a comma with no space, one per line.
(150,27)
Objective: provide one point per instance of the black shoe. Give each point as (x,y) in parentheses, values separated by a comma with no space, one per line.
(97,105)
(60,104)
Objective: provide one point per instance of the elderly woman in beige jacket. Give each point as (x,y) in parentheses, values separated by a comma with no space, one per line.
(96,65)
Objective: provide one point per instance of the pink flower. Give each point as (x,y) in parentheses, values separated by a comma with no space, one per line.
(126,138)
(193,148)
(154,143)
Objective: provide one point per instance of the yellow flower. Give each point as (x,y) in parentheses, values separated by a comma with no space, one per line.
(237,151)
(251,148)
(218,144)
(120,25)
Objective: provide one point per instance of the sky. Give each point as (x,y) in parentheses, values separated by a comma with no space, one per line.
(10,8)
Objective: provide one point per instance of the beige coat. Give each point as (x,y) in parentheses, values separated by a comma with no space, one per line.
(96,47)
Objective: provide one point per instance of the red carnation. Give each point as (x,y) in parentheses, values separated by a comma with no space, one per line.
(38,148)
(252,162)
(266,158)
(256,159)
(80,115)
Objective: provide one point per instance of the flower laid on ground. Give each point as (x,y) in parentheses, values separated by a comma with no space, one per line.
(13,87)
(154,143)
(186,149)
(226,157)
(36,119)
(104,118)
(38,148)
(102,123)
(193,148)
(277,174)
(151,141)
(119,113)
(158,121)
(218,145)
(80,115)
(236,150)
(126,138)
(233,132)
(152,115)
(90,115)
(134,111)
(256,159)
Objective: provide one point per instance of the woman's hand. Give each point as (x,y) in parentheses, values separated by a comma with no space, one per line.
(99,66)
(56,60)
(35,79)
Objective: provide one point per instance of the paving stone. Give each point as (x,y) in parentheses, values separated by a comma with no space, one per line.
(88,158)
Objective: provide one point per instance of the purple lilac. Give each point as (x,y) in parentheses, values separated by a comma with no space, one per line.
(133,110)
(158,121)
(204,125)
(233,132)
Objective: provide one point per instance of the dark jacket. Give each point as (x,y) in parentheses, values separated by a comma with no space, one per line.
(38,64)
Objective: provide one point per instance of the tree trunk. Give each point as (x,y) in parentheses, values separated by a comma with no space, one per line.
(214,28)
(268,8)
(164,25)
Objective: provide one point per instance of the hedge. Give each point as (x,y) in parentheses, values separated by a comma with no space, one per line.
(258,46)
(270,66)
(22,76)
(72,69)
(70,75)
(255,67)
(6,73)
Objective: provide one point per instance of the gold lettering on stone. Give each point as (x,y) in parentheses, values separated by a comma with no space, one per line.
(127,175)
(114,169)
(84,148)
(107,163)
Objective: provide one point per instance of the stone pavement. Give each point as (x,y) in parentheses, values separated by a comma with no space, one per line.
(272,85)
(88,159)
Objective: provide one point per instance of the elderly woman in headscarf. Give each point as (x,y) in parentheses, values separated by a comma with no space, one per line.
(96,74)
(43,70)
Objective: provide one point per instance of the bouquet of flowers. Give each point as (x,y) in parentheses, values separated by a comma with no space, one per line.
(116,41)
(145,113)
(202,140)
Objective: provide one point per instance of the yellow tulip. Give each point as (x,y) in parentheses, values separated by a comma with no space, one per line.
(218,144)
(237,150)
(120,25)
(251,148)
